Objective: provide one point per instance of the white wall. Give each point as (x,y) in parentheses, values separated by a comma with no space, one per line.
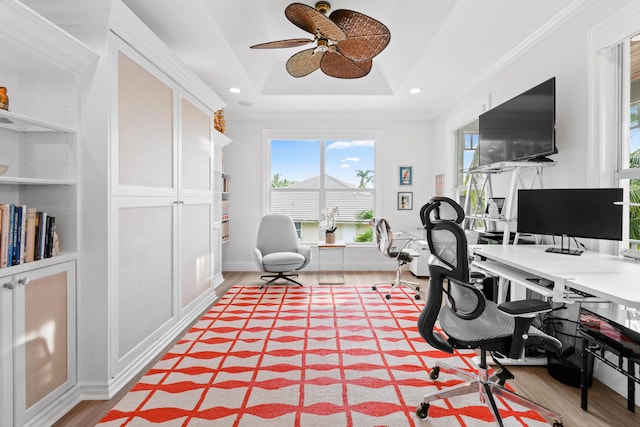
(402,143)
(562,54)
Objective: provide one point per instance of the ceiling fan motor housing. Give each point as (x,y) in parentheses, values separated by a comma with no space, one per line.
(323,7)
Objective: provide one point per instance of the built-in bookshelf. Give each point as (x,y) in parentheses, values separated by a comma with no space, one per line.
(43,69)
(224,235)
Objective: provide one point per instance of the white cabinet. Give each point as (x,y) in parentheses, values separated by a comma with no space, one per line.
(43,69)
(163,247)
(37,338)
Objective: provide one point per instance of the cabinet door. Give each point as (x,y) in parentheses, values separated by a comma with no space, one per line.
(144,157)
(142,273)
(44,342)
(196,149)
(217,254)
(6,351)
(196,250)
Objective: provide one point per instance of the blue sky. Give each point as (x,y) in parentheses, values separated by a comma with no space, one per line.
(298,160)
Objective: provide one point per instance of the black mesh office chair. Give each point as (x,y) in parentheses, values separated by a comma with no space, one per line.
(470,321)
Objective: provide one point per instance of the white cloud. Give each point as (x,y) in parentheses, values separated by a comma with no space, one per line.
(345,166)
(339,145)
(352,159)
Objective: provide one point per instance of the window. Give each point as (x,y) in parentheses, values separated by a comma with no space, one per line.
(467,140)
(309,175)
(629,152)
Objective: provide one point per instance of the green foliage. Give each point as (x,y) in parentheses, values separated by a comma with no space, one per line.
(367,236)
(364,216)
(279,182)
(634,197)
(366,176)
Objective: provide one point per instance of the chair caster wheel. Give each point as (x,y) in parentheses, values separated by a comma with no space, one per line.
(388,296)
(374,287)
(423,411)
(417,296)
(557,424)
(417,288)
(435,373)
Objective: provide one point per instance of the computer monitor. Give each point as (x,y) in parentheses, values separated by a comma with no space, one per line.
(575,212)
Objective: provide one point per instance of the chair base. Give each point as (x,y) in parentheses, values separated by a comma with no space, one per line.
(277,276)
(487,387)
(397,283)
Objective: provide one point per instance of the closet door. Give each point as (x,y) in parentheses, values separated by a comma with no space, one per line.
(144,157)
(195,230)
(196,250)
(142,265)
(196,149)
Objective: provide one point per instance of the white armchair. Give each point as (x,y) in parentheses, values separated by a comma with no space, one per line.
(278,251)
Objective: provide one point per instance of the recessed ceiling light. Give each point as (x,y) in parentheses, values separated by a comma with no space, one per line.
(415,90)
(234,90)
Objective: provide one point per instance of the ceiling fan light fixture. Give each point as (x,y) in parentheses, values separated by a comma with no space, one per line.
(323,46)
(234,90)
(415,90)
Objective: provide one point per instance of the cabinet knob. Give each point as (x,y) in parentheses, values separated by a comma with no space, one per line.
(24,281)
(9,285)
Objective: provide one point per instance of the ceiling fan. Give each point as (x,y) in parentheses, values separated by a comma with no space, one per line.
(346,41)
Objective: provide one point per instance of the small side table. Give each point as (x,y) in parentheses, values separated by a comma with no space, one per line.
(337,246)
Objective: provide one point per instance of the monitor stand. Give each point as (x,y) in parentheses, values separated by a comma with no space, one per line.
(562,249)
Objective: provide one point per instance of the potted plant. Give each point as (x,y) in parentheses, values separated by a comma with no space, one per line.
(328,222)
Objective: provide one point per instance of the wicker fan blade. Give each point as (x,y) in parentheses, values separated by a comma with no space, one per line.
(305,62)
(282,43)
(313,22)
(366,37)
(336,65)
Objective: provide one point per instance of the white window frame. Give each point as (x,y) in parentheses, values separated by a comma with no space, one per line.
(608,78)
(319,135)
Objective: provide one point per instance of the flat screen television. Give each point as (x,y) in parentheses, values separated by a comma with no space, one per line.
(574,212)
(522,128)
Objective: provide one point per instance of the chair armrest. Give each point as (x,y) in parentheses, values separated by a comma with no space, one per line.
(525,308)
(258,258)
(524,312)
(305,251)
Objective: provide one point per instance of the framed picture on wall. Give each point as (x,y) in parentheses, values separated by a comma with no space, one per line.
(440,185)
(405,200)
(406,176)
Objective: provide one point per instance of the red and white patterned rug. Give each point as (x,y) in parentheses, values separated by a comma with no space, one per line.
(312,356)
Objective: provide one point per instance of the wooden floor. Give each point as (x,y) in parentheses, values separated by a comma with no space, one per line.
(606,407)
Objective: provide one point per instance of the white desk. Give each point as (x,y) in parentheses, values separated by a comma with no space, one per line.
(609,277)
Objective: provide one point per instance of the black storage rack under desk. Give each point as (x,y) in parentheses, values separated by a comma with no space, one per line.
(602,335)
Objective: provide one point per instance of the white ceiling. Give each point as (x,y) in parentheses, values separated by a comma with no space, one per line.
(444,47)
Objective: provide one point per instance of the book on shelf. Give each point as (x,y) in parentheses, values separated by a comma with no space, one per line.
(30,235)
(26,235)
(5,213)
(22,235)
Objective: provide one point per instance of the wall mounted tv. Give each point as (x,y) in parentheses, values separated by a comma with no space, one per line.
(523,128)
